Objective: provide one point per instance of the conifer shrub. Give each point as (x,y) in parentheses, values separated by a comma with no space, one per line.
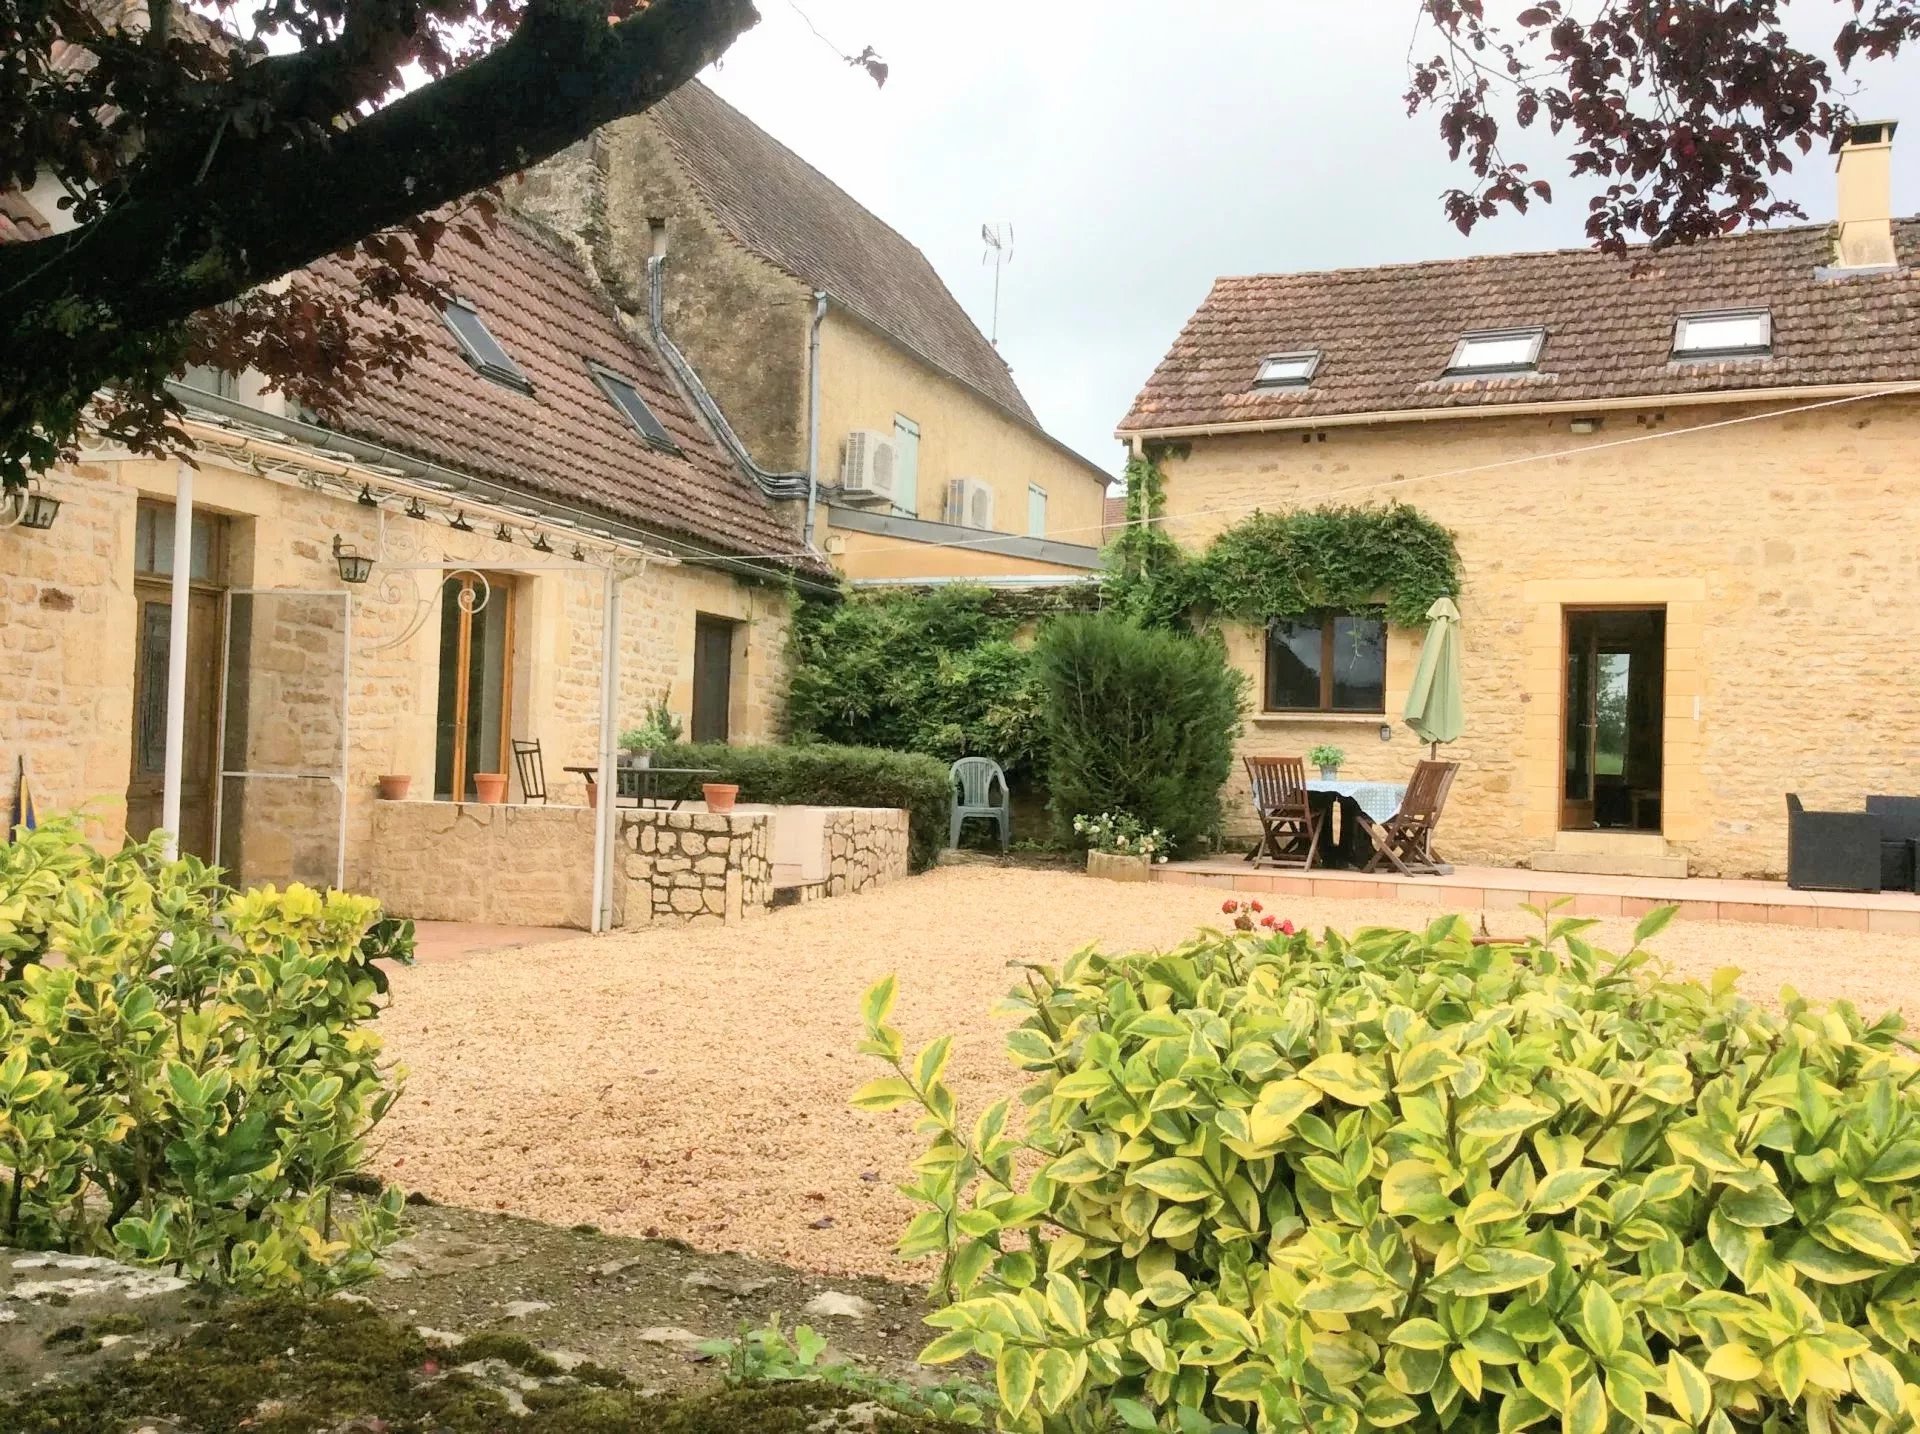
(1407,1181)
(187,1073)
(1139,721)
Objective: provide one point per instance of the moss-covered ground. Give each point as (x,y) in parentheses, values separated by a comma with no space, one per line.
(286,1367)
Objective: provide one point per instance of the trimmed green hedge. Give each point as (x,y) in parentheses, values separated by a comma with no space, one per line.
(820,775)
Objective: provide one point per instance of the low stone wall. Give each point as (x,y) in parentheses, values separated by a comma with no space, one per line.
(866,847)
(694,868)
(511,865)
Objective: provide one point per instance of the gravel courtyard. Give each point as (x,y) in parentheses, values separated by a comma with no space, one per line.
(693,1083)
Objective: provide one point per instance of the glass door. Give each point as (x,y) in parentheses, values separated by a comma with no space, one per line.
(476,693)
(1615,709)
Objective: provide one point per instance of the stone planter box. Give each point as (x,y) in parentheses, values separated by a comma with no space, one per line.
(1117,866)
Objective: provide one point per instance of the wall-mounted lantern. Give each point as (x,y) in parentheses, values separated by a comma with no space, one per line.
(355,566)
(32,507)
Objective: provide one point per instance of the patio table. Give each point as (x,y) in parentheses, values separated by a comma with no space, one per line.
(642,784)
(1379,800)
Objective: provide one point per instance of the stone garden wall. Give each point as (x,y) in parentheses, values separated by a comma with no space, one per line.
(866,847)
(511,865)
(694,868)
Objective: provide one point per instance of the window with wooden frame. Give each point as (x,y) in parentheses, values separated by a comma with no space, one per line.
(475,711)
(1327,662)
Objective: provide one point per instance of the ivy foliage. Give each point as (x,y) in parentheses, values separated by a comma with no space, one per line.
(936,671)
(1410,1181)
(187,1073)
(1272,566)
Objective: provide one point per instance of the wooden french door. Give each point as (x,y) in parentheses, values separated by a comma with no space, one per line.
(153,602)
(474,722)
(712,677)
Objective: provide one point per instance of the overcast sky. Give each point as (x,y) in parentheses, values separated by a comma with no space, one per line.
(1139,150)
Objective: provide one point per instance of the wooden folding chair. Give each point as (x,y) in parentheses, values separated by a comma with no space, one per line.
(1404,840)
(533,770)
(1289,826)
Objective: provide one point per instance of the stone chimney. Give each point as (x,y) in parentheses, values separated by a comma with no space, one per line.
(1864,164)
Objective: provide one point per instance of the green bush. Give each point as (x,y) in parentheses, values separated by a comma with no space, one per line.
(186,1073)
(934,672)
(1137,721)
(1412,1182)
(819,775)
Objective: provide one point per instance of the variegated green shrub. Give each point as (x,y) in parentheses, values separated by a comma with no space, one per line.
(186,1072)
(1407,1181)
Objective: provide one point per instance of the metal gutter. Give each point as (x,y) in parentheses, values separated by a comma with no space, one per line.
(782,487)
(813,410)
(1009,581)
(1804,392)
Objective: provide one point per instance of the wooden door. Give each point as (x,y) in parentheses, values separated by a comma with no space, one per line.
(712,677)
(474,721)
(1582,671)
(154,609)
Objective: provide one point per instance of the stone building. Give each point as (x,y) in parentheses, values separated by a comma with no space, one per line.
(536,481)
(846,371)
(1681,484)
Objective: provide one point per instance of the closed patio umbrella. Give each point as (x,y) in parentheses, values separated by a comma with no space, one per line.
(1434,707)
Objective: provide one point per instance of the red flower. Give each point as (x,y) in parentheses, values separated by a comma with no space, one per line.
(1229,907)
(1253,906)
(1270,922)
(1286,928)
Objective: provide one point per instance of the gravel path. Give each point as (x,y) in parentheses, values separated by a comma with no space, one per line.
(693,1083)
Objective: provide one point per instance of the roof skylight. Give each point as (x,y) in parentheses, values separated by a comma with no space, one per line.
(1288,370)
(1497,351)
(481,348)
(1729,333)
(634,408)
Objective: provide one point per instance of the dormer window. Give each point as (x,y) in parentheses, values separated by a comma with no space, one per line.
(626,397)
(1289,370)
(481,348)
(1497,351)
(1727,333)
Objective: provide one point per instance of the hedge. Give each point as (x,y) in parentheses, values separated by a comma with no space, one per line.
(820,775)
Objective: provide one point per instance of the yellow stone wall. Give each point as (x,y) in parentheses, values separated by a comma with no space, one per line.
(67,615)
(1782,550)
(866,379)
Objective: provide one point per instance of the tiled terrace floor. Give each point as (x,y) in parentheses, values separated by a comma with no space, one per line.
(1497,888)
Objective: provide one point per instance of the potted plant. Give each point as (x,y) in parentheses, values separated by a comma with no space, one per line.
(658,727)
(720,796)
(1328,760)
(1119,848)
(394,788)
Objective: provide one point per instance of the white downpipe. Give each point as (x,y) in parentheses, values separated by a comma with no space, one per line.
(177,657)
(609,739)
(813,413)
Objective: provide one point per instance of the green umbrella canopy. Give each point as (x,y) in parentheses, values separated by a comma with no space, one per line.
(1434,708)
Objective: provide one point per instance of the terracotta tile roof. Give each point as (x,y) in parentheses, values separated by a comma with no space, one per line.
(1386,334)
(20,222)
(565,440)
(783,209)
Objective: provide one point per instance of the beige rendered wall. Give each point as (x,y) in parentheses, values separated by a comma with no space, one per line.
(67,602)
(866,379)
(1781,549)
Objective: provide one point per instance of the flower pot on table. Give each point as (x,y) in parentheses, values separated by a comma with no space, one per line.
(1118,866)
(1328,774)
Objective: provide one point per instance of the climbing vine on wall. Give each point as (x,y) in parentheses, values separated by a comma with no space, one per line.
(1279,565)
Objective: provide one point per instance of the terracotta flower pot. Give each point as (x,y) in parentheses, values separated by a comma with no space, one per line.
(394,788)
(490,786)
(720,795)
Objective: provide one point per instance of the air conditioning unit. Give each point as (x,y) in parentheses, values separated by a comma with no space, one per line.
(867,467)
(969,503)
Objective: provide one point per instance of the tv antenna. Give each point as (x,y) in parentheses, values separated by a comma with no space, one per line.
(999,252)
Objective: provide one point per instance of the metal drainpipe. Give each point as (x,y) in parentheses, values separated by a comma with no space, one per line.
(813,409)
